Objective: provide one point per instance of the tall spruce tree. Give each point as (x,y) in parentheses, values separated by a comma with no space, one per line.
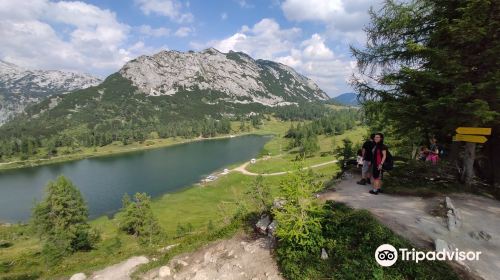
(61,218)
(430,67)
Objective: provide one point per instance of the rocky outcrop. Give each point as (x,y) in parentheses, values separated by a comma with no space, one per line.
(20,87)
(234,77)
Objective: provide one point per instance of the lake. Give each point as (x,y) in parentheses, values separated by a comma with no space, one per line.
(104,180)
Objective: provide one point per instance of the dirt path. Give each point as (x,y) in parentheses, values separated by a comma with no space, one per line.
(237,258)
(243,169)
(119,271)
(410,217)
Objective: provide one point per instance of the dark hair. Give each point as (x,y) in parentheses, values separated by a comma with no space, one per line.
(381,138)
(372,136)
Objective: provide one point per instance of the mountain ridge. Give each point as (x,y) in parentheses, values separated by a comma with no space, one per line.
(20,87)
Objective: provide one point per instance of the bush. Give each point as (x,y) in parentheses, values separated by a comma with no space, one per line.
(299,220)
(260,194)
(350,239)
(61,221)
(138,218)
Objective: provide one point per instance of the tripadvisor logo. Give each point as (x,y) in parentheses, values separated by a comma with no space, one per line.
(387,255)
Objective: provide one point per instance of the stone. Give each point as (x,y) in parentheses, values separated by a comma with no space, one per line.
(262,224)
(324,254)
(78,276)
(164,271)
(168,248)
(278,203)
(449,204)
(484,235)
(271,228)
(441,245)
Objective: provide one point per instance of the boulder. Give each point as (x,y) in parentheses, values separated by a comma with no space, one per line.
(262,224)
(441,245)
(78,276)
(454,216)
(324,254)
(164,272)
(271,228)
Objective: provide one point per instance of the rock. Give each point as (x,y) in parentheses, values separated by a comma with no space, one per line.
(168,248)
(208,258)
(324,254)
(78,276)
(480,235)
(441,245)
(164,271)
(181,262)
(262,224)
(484,235)
(452,223)
(278,203)
(271,228)
(449,204)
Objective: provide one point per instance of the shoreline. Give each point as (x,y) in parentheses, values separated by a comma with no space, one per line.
(166,142)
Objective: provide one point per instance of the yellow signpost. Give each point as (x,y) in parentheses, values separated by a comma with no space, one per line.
(474,130)
(470,138)
(472,134)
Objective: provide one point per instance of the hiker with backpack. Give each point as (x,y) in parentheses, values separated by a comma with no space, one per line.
(381,160)
(366,153)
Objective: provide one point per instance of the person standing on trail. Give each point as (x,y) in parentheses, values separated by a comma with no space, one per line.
(379,154)
(366,153)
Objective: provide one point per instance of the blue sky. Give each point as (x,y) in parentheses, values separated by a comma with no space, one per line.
(99,36)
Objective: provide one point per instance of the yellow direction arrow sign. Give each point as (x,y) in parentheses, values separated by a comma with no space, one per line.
(474,130)
(470,138)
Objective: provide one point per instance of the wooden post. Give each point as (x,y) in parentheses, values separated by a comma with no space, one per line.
(468,168)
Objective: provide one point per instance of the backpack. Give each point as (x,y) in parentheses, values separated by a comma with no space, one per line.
(389,161)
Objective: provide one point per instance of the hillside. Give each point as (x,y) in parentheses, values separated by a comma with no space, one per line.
(348,99)
(161,93)
(20,87)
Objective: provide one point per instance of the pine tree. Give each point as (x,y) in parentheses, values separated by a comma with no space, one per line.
(138,218)
(60,219)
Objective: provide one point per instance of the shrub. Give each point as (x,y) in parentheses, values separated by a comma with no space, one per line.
(61,221)
(138,218)
(299,220)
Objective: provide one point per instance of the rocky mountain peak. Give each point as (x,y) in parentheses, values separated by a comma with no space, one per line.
(235,76)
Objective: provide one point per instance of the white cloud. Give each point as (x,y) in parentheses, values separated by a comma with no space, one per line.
(344,19)
(311,56)
(154,32)
(183,31)
(64,35)
(244,4)
(265,40)
(169,8)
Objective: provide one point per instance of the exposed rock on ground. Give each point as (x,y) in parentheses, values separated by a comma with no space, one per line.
(234,259)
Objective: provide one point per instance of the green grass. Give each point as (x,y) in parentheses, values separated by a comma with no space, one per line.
(282,160)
